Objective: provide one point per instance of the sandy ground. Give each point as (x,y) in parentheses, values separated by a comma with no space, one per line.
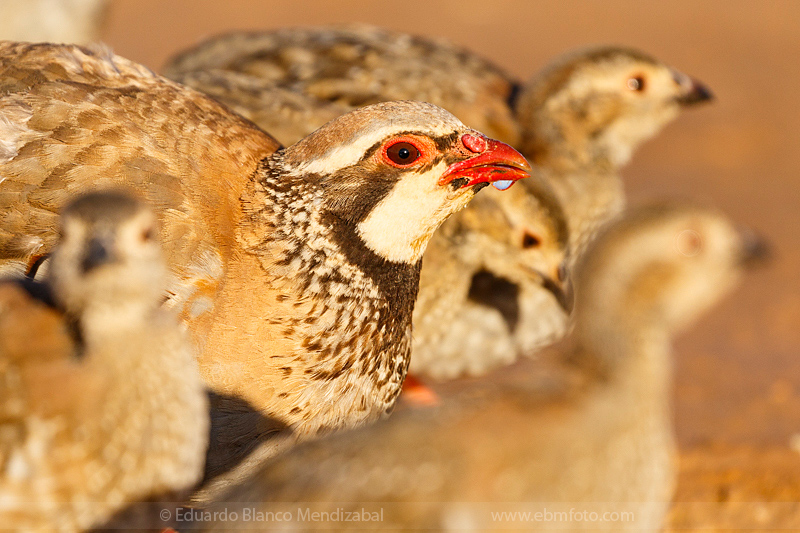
(737,391)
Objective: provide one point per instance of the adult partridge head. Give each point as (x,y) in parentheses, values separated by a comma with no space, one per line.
(351,209)
(395,171)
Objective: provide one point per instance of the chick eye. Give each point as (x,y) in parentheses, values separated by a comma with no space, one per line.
(148,235)
(689,243)
(636,83)
(402,153)
(529,240)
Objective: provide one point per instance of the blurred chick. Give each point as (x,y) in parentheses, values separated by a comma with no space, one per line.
(582,118)
(496,263)
(54,21)
(101,401)
(493,445)
(491,287)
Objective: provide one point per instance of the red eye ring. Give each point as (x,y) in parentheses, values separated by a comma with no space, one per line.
(401,153)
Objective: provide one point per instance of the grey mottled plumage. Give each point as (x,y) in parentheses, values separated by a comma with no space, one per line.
(342,68)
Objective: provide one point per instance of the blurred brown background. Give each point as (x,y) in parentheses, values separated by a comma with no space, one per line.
(738,371)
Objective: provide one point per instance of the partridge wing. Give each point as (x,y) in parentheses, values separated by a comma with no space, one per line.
(74,118)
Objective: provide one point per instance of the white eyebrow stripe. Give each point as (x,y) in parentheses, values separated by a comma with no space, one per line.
(351,153)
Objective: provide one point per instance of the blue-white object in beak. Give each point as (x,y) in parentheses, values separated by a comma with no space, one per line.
(502,185)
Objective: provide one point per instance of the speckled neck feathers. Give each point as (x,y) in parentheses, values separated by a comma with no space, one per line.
(360,323)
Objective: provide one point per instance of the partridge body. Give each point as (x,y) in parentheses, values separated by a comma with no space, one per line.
(580,119)
(101,399)
(495,263)
(601,442)
(295,270)
(343,68)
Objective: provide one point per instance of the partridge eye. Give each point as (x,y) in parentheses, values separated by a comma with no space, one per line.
(402,153)
(529,240)
(636,83)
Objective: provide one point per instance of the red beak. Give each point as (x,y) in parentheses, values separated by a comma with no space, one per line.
(497,162)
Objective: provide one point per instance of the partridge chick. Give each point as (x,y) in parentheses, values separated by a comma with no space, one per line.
(495,264)
(295,270)
(101,401)
(583,116)
(495,445)
(491,287)
(56,21)
(581,120)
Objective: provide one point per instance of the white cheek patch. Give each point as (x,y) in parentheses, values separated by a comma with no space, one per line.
(347,154)
(400,226)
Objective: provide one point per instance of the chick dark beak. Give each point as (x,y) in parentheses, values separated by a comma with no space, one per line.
(694,92)
(557,286)
(99,252)
(494,162)
(755,249)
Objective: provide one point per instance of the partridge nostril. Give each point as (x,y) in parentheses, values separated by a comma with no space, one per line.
(474,143)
